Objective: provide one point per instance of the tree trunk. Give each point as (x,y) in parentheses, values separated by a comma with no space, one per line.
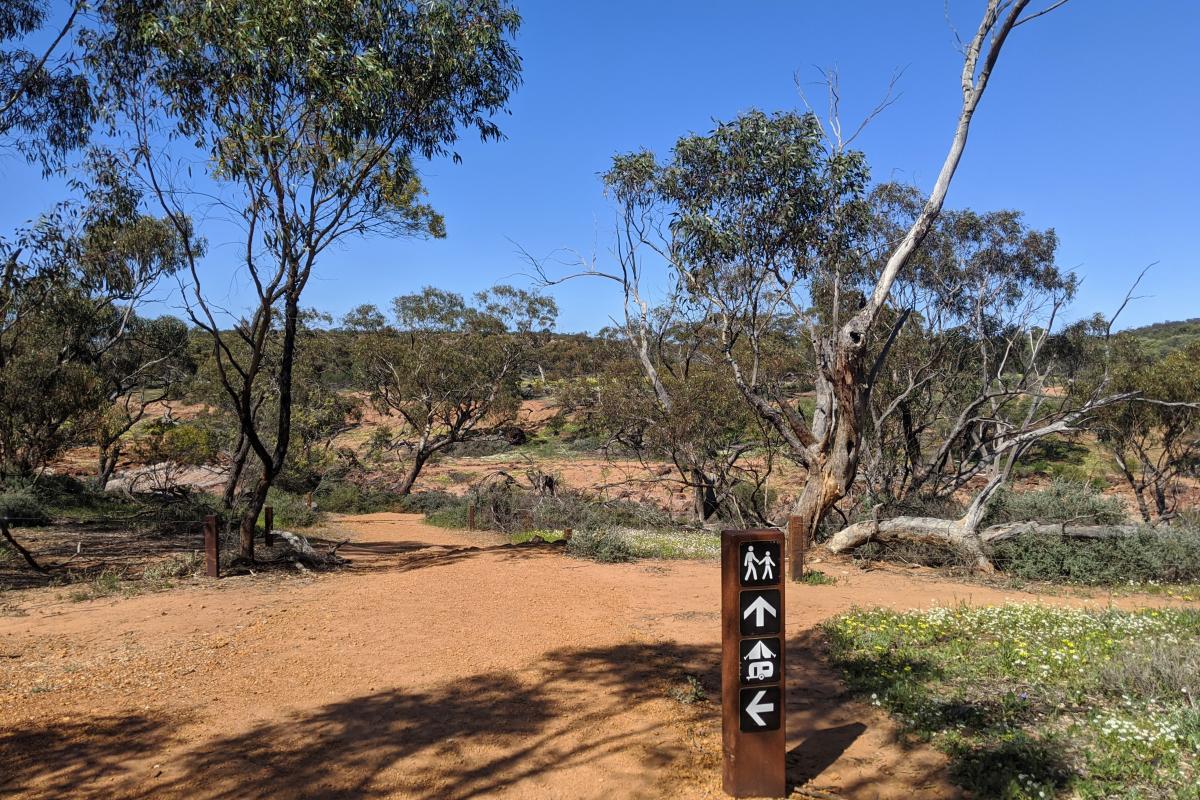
(106,465)
(250,519)
(704,495)
(420,456)
(229,497)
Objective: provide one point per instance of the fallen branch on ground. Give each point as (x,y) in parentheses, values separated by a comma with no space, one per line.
(958,534)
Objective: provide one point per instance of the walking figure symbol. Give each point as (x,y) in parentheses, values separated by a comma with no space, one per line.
(752,563)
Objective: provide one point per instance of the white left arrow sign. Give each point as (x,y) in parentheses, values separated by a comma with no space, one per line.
(759,608)
(757,707)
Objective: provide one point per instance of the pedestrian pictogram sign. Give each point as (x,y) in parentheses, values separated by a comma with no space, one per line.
(752,662)
(760,563)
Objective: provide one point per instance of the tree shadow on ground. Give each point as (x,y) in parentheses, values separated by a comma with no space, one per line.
(63,757)
(398,557)
(456,739)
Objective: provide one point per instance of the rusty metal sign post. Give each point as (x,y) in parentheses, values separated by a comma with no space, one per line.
(752,662)
(212,547)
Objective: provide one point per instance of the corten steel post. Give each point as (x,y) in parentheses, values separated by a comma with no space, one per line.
(471,517)
(212,548)
(753,691)
(798,539)
(269,526)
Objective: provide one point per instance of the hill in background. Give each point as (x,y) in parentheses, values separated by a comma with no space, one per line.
(1163,338)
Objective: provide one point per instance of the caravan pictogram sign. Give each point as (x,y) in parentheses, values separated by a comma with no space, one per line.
(760,660)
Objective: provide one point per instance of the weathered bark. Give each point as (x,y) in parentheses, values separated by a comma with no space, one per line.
(106,465)
(704,495)
(229,496)
(420,456)
(960,535)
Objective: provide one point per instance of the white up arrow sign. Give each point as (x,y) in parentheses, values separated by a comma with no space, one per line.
(757,707)
(759,608)
(760,651)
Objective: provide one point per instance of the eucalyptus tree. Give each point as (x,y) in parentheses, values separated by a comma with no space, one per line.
(1154,442)
(770,217)
(69,289)
(147,364)
(45,102)
(307,117)
(449,369)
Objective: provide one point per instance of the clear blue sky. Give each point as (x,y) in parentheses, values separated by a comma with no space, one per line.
(1090,126)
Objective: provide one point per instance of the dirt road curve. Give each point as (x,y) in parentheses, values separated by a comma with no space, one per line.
(442,665)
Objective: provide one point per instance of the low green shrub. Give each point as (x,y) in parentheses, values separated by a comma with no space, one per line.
(23,508)
(429,502)
(291,510)
(1063,501)
(607,546)
(345,497)
(1167,555)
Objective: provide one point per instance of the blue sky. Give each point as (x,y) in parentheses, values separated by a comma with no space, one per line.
(1089,126)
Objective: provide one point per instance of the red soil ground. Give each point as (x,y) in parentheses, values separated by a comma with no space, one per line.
(439,665)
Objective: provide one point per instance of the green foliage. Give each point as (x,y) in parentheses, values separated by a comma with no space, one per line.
(814,577)
(291,510)
(67,291)
(1161,339)
(1170,555)
(1033,702)
(184,443)
(23,507)
(47,103)
(428,502)
(347,497)
(1062,501)
(606,546)
(451,369)
(690,692)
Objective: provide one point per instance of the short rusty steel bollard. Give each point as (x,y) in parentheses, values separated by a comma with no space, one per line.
(471,517)
(753,691)
(798,541)
(212,547)
(269,526)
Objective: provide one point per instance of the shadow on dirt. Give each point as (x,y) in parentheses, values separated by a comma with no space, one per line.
(404,556)
(458,739)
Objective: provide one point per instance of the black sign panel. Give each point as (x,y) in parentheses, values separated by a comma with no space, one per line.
(758,612)
(758,563)
(759,660)
(761,709)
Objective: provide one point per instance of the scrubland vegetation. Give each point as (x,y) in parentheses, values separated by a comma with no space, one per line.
(1033,702)
(899,376)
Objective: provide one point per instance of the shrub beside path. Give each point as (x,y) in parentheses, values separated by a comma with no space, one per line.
(441,664)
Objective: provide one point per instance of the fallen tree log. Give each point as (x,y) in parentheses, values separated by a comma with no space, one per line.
(958,534)
(304,553)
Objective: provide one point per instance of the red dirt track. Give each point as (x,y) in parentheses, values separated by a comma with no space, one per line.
(440,665)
